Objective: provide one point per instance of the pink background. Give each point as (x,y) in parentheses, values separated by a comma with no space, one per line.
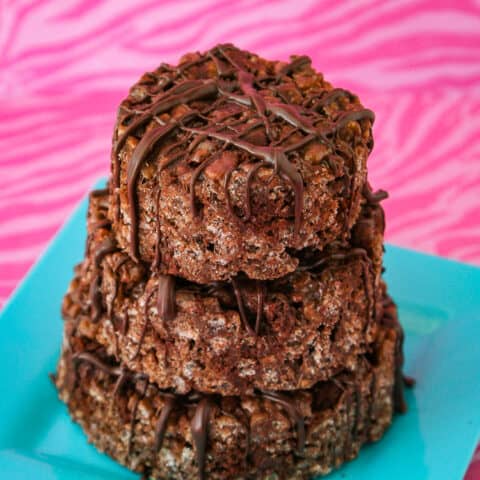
(64,67)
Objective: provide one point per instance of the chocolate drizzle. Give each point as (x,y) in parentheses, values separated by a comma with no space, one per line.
(139,398)
(374,197)
(295,64)
(234,84)
(358,410)
(261,292)
(355,116)
(199,429)
(95,361)
(166,297)
(162,421)
(295,416)
(95,295)
(334,257)
(390,318)
(241,307)
(165,305)
(148,295)
(324,99)
(409,382)
(99,192)
(368,418)
(106,247)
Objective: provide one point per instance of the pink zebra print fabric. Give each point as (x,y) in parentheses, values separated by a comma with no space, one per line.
(64,67)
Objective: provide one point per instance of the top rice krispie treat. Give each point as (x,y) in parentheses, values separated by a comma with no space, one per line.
(231,163)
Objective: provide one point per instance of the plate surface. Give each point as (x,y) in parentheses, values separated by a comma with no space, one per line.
(439,303)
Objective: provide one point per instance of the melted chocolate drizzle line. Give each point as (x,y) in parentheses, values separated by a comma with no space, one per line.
(110,315)
(348,431)
(125,322)
(145,146)
(121,262)
(119,371)
(374,197)
(294,65)
(398,394)
(121,380)
(335,257)
(354,116)
(260,301)
(90,358)
(389,318)
(245,81)
(226,183)
(148,296)
(409,382)
(295,416)
(158,254)
(200,421)
(241,307)
(100,224)
(106,247)
(358,409)
(99,192)
(249,181)
(371,299)
(166,297)
(199,429)
(150,139)
(95,296)
(222,70)
(291,115)
(196,174)
(301,143)
(368,418)
(180,69)
(324,100)
(162,421)
(139,398)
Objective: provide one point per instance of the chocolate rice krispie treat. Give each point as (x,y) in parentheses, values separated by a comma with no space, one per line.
(230,337)
(266,435)
(230,163)
(229,319)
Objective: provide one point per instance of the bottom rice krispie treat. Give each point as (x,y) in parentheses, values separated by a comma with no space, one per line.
(267,435)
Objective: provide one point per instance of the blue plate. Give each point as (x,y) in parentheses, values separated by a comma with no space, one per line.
(439,304)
